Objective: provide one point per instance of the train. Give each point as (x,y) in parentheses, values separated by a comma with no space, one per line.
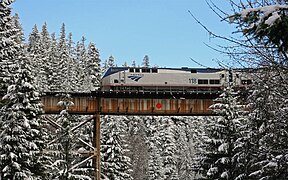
(184,79)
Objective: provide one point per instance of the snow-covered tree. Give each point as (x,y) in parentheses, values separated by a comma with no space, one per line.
(138,146)
(53,65)
(114,163)
(146,62)
(21,137)
(64,60)
(8,46)
(133,64)
(186,145)
(223,146)
(268,128)
(92,69)
(81,52)
(81,57)
(20,35)
(264,24)
(63,149)
(155,164)
(261,42)
(37,55)
(169,153)
(125,64)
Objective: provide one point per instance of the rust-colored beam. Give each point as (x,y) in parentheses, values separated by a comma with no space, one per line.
(96,144)
(132,105)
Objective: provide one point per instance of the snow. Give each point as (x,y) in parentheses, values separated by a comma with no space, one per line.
(223,147)
(270,21)
(271,165)
(265,10)
(268,14)
(224,175)
(256,173)
(212,171)
(28,85)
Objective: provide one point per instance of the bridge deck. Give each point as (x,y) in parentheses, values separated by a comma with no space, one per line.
(134,103)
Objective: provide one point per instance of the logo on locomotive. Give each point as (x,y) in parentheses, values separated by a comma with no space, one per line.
(135,77)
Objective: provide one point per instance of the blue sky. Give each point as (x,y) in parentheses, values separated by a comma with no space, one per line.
(131,29)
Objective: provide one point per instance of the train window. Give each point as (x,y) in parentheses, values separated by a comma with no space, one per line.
(248,81)
(202,81)
(166,83)
(237,75)
(214,81)
(154,70)
(146,70)
(137,70)
(116,81)
(131,70)
(193,71)
(222,75)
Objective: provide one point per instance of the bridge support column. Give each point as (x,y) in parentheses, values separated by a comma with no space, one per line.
(96,140)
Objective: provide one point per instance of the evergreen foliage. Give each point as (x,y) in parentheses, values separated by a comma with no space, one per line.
(231,146)
(267,23)
(264,24)
(114,163)
(146,62)
(268,128)
(21,137)
(92,69)
(8,44)
(63,149)
(222,153)
(37,57)
(138,148)
(169,154)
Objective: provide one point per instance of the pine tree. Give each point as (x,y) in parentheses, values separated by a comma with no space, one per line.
(19,31)
(46,48)
(37,55)
(111,61)
(224,144)
(138,146)
(114,163)
(73,66)
(81,56)
(169,154)
(63,148)
(185,145)
(155,163)
(268,127)
(145,62)
(21,137)
(264,24)
(92,69)
(8,46)
(63,76)
(53,65)
(133,64)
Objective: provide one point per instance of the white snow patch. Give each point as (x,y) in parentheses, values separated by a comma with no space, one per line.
(270,21)
(223,147)
(271,165)
(224,175)
(28,85)
(212,171)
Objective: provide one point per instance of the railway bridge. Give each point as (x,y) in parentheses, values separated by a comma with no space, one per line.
(129,103)
(134,103)
(126,103)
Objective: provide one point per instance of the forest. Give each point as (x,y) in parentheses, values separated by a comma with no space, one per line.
(246,140)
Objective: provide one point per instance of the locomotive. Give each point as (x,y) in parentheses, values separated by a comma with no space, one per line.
(172,79)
